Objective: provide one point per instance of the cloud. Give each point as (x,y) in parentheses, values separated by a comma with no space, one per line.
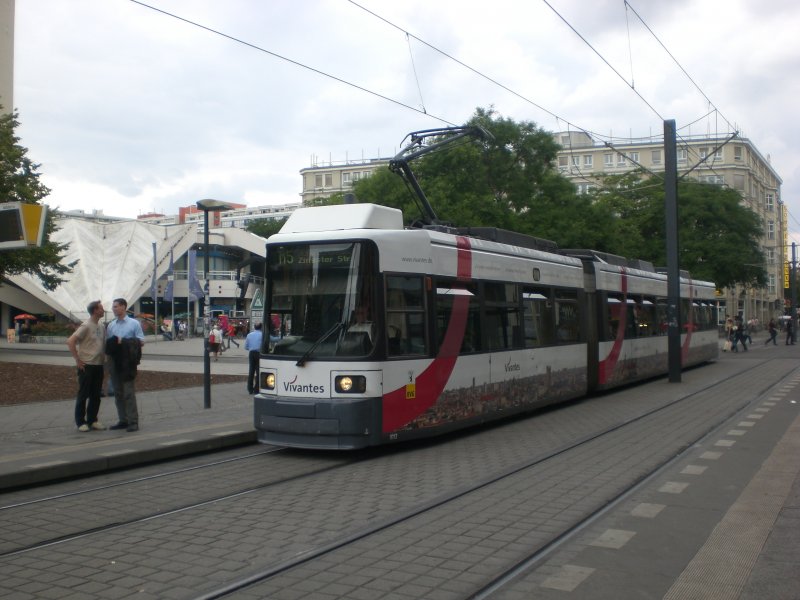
(126,107)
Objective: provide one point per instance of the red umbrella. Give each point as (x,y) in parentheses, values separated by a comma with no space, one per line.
(25,317)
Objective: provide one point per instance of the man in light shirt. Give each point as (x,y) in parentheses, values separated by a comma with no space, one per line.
(87,346)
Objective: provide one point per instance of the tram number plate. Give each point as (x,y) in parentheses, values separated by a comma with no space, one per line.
(411,391)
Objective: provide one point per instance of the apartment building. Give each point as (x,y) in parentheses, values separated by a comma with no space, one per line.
(321,180)
(736,163)
(239,215)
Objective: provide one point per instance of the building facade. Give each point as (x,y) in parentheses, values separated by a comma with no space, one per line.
(239,216)
(322,180)
(734,163)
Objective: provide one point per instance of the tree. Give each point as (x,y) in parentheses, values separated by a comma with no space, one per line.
(507,182)
(265,227)
(718,238)
(19,182)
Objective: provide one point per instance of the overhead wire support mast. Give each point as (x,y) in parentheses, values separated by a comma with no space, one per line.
(399,164)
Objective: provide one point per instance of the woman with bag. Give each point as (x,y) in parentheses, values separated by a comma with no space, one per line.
(728,345)
(214,341)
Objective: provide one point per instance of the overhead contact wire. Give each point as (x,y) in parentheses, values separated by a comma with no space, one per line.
(289,60)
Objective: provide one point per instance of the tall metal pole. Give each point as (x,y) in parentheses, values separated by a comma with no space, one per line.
(206,355)
(207,205)
(793,293)
(673,261)
(155,294)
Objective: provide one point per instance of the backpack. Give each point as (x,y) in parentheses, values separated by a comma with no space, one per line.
(212,339)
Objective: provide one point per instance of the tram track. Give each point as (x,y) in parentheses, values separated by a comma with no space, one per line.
(294,532)
(75,513)
(526,562)
(135,480)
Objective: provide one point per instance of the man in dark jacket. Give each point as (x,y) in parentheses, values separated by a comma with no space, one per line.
(124,341)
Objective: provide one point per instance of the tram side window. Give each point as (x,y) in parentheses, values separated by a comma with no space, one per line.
(567,317)
(447,293)
(501,316)
(661,316)
(691,315)
(646,317)
(538,317)
(621,308)
(707,313)
(405,315)
(708,321)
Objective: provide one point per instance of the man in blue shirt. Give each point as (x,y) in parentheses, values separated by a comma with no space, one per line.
(124,341)
(252,343)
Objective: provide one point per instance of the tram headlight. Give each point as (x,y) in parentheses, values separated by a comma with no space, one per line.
(351,384)
(267,381)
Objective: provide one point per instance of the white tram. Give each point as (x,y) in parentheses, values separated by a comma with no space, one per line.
(379,333)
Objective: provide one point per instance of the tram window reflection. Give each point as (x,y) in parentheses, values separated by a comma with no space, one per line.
(405,315)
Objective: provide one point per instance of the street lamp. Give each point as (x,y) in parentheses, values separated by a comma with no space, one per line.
(207,206)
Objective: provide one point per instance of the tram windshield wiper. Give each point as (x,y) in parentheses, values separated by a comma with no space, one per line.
(321,339)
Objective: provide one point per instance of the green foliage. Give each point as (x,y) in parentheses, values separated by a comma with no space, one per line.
(19,182)
(510,182)
(265,227)
(507,182)
(718,238)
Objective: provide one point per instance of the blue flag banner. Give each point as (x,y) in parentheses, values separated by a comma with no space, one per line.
(195,290)
(169,292)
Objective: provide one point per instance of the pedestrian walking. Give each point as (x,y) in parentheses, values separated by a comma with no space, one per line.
(252,343)
(223,327)
(215,341)
(124,341)
(773,332)
(789,332)
(87,346)
(232,335)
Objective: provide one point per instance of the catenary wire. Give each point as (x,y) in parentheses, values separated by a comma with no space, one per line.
(476,71)
(294,62)
(618,74)
(424,111)
(689,77)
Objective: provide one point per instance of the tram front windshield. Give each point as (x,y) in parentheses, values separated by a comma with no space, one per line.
(321,300)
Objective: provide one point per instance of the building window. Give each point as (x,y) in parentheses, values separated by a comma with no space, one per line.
(715,179)
(608,159)
(770,230)
(634,156)
(328,180)
(770,202)
(318,180)
(346,179)
(585,188)
(718,154)
(563,162)
(738,182)
(771,287)
(770,254)
(737,153)
(703,152)
(576,162)
(621,160)
(588,161)
(682,155)
(656,157)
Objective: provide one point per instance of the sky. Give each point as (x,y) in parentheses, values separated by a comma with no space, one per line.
(129,110)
